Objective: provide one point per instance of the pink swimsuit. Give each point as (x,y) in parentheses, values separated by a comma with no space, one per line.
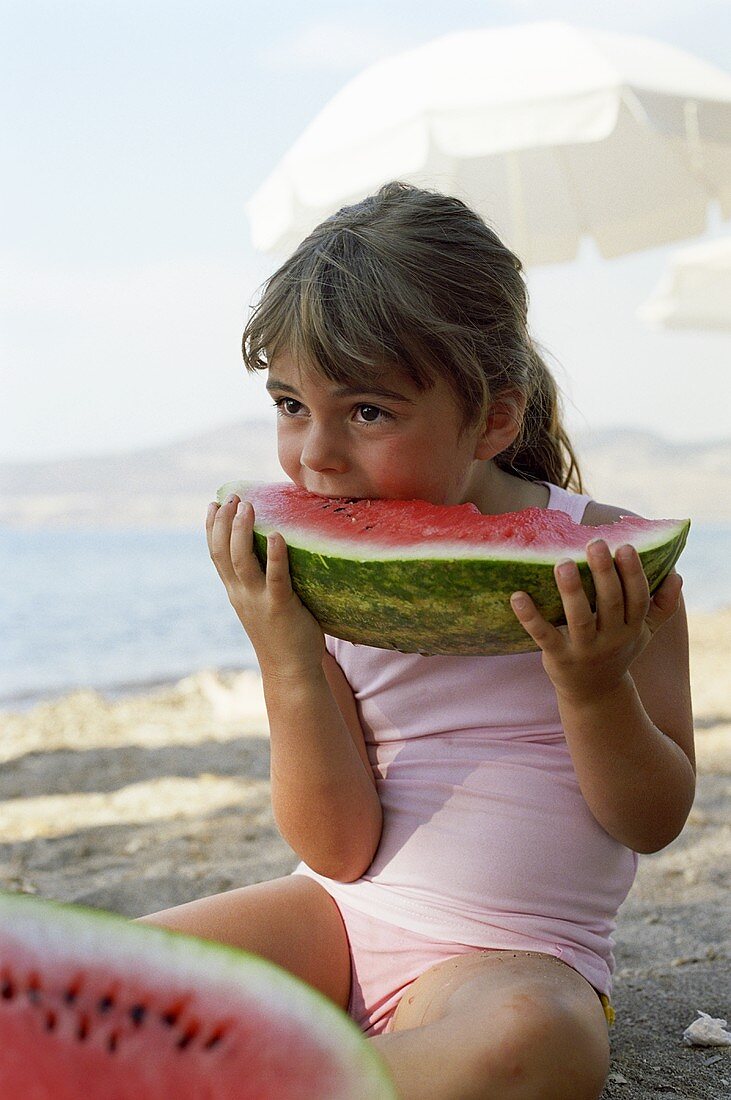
(487,841)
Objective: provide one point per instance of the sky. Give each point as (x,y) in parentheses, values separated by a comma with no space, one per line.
(136,133)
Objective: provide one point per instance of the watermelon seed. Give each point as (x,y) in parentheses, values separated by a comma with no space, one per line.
(34,989)
(71,994)
(7,990)
(188,1037)
(82,1031)
(105,1004)
(50,1021)
(171,1018)
(215,1039)
(112,1042)
(138,1013)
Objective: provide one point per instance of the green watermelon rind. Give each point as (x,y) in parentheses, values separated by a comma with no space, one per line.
(441,606)
(434,604)
(54,933)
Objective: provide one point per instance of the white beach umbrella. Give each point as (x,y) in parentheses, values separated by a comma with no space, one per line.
(694,290)
(550,132)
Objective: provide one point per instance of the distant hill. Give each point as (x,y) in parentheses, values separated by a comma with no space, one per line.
(170,486)
(167,487)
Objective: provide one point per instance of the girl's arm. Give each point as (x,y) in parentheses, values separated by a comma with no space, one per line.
(623,689)
(323,790)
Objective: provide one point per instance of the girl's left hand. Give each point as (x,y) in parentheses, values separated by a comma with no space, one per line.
(590,656)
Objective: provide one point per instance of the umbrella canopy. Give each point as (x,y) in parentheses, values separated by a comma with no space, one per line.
(551,132)
(694,291)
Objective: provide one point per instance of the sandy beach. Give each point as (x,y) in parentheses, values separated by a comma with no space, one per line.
(149,801)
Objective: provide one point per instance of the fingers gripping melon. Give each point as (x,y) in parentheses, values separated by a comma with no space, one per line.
(426,578)
(94,1007)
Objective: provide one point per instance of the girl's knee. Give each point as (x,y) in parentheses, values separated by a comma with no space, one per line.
(548,1049)
(537,1051)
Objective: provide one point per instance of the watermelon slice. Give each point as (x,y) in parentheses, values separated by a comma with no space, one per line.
(427,578)
(95,1007)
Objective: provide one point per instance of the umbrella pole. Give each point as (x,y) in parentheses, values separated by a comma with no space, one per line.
(693,134)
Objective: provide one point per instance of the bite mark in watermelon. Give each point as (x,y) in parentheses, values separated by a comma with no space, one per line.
(95,1007)
(425,578)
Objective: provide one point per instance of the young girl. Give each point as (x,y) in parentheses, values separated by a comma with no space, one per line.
(467,826)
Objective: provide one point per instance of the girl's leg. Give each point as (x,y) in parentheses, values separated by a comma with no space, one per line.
(499,1024)
(291,921)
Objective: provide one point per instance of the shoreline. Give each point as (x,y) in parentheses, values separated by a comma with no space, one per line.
(24,702)
(21,702)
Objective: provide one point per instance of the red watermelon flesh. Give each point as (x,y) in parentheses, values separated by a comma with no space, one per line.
(379,525)
(95,1007)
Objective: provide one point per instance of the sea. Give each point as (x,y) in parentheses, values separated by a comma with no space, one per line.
(130,611)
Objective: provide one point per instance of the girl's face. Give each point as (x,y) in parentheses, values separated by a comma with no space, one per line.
(392,441)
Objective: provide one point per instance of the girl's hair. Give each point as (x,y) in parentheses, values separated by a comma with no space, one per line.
(416,280)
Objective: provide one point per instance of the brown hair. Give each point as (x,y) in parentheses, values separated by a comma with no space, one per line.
(413,279)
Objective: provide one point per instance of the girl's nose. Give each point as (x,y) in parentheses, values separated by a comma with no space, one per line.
(322,452)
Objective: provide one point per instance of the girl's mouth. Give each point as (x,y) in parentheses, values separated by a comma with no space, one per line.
(339,495)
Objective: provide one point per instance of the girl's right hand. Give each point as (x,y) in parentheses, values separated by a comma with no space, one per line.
(287,639)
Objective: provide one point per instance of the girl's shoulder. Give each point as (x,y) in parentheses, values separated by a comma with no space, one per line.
(583,508)
(596,513)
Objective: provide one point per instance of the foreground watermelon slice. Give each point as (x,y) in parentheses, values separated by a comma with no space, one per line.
(425,578)
(94,1007)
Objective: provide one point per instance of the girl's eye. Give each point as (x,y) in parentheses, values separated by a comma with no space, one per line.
(371,414)
(284,405)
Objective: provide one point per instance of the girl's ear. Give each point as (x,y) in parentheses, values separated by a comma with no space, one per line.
(502,424)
